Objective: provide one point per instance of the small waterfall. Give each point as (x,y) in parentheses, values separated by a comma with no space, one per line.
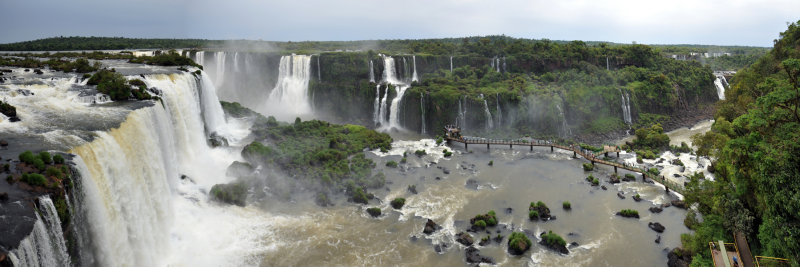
(504,65)
(499,112)
(383,107)
(626,107)
(220,77)
(394,118)
(422,112)
(200,58)
(319,68)
(414,77)
(564,128)
(212,111)
(725,81)
(45,246)
(497,65)
(489,122)
(371,72)
(400,87)
(236,61)
(451,63)
(720,87)
(290,97)
(376,108)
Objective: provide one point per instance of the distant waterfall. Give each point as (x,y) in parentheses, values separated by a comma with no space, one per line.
(499,112)
(564,127)
(236,61)
(488,114)
(200,58)
(390,78)
(422,112)
(394,118)
(376,107)
(371,72)
(504,65)
(461,120)
(451,63)
(626,107)
(290,97)
(382,113)
(212,111)
(45,246)
(414,77)
(720,86)
(319,70)
(220,77)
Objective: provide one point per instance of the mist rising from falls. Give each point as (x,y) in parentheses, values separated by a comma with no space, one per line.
(564,128)
(220,66)
(461,120)
(45,246)
(290,97)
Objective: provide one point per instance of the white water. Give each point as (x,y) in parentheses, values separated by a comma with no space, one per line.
(290,97)
(382,113)
(720,87)
(422,112)
(451,63)
(563,120)
(45,245)
(200,58)
(394,120)
(376,107)
(400,87)
(626,107)
(213,114)
(138,210)
(220,78)
(371,72)
(414,78)
(488,114)
(319,70)
(462,114)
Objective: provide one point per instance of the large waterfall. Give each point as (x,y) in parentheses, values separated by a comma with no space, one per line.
(45,246)
(212,111)
(720,87)
(290,97)
(391,80)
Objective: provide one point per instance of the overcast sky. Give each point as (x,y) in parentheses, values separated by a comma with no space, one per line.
(720,22)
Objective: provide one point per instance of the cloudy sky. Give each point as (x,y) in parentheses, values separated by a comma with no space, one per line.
(728,22)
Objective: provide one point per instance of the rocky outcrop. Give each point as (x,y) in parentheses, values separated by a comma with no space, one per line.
(656,209)
(464,239)
(679,204)
(474,256)
(656,227)
(678,258)
(431,227)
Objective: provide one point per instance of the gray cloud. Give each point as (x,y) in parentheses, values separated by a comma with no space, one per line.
(729,22)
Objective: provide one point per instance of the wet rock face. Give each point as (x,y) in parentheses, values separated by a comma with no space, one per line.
(431,227)
(656,209)
(473,256)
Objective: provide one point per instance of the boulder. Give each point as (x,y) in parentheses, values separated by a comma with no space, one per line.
(374,212)
(3,143)
(464,239)
(412,189)
(474,256)
(509,210)
(637,198)
(656,227)
(472,184)
(656,209)
(658,239)
(603,187)
(678,258)
(556,247)
(679,204)
(431,227)
(619,194)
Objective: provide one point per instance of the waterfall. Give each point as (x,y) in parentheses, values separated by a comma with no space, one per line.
(504,65)
(563,120)
(45,246)
(725,81)
(462,112)
(400,87)
(489,123)
(376,108)
(720,87)
(371,72)
(422,112)
(319,70)
(213,114)
(290,97)
(414,78)
(451,63)
(394,120)
(626,107)
(383,106)
(220,77)
(200,58)
(499,112)
(236,61)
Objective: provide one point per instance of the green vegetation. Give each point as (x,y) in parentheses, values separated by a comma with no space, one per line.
(45,157)
(588,167)
(593,180)
(420,153)
(566,205)
(398,203)
(118,87)
(169,58)
(553,239)
(374,212)
(480,224)
(755,142)
(391,164)
(236,110)
(518,243)
(58,159)
(102,43)
(489,219)
(232,193)
(34,179)
(491,163)
(533,215)
(628,213)
(652,137)
(629,177)
(27,157)
(447,154)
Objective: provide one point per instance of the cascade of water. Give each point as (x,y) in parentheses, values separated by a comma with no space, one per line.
(725,81)
(720,88)
(489,123)
(383,106)
(290,97)
(497,66)
(504,65)
(400,87)
(626,107)
(394,118)
(422,112)
(376,108)
(236,61)
(464,114)
(212,111)
(371,72)
(607,68)
(414,77)
(45,245)
(319,70)
(499,112)
(451,63)
(200,57)
(220,61)
(563,120)
(460,115)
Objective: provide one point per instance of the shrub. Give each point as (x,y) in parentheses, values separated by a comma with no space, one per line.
(518,243)
(359,196)
(566,205)
(552,239)
(391,164)
(58,159)
(588,167)
(54,172)
(629,213)
(480,223)
(39,164)
(34,179)
(491,163)
(420,153)
(447,154)
(111,83)
(45,156)
(592,180)
(27,157)
(374,212)
(533,215)
(489,219)
(403,160)
(232,193)
(398,203)
(629,177)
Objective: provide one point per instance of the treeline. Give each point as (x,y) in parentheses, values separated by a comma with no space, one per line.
(102,43)
(755,143)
